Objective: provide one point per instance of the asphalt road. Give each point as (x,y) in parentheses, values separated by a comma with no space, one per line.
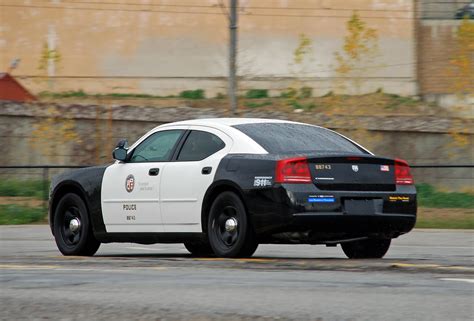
(427,275)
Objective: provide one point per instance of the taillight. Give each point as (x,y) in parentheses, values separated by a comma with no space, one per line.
(402,173)
(292,170)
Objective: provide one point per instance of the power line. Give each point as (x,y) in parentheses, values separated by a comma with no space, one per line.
(244,7)
(223,78)
(199,12)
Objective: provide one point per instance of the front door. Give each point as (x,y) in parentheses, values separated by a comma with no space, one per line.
(131,189)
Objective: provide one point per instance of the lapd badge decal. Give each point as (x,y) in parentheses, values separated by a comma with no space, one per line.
(130,183)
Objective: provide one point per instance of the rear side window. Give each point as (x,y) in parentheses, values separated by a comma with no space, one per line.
(281,138)
(200,145)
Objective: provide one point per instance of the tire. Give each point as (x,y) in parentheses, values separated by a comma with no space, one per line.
(227,208)
(366,249)
(74,240)
(199,248)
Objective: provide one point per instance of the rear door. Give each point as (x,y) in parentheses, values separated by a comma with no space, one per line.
(185,180)
(131,190)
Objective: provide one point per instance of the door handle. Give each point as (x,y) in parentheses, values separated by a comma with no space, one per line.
(154,171)
(206,170)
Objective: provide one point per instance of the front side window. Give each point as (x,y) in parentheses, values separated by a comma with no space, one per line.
(200,145)
(157,147)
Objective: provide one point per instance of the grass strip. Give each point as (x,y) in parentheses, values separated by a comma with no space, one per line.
(30,188)
(15,214)
(428,196)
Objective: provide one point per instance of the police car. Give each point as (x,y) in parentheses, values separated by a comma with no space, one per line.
(223,186)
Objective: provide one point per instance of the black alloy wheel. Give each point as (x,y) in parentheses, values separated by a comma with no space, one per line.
(229,230)
(72,229)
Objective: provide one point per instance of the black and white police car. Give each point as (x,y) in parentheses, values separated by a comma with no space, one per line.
(223,186)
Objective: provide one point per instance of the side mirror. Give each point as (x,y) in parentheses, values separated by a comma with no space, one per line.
(120,152)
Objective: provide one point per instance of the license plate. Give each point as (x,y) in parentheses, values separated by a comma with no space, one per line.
(362,207)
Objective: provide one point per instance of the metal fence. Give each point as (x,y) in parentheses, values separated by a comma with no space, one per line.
(29,185)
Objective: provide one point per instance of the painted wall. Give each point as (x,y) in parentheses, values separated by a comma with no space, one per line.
(182,45)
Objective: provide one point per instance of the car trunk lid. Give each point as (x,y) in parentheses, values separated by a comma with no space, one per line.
(353,173)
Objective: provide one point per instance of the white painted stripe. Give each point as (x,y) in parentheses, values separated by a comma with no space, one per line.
(458,280)
(435,247)
(154,249)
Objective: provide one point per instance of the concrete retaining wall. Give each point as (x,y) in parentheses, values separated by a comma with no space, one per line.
(33,134)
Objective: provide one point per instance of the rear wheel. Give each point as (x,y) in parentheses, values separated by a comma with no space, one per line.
(366,249)
(199,248)
(72,228)
(229,230)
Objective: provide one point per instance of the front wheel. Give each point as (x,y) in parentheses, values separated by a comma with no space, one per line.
(72,229)
(366,249)
(229,230)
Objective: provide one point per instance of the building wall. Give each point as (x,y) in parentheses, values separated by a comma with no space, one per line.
(437,78)
(122,48)
(436,9)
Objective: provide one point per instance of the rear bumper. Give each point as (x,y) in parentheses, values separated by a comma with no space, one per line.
(341,222)
(291,208)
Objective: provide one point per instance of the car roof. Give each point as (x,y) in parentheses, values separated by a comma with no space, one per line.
(227,121)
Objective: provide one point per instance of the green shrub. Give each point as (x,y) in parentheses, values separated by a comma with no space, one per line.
(251,104)
(14,214)
(256,93)
(306,92)
(192,94)
(65,94)
(298,105)
(31,188)
(289,93)
(428,196)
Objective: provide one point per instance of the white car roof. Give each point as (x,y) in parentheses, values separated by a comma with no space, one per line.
(226,121)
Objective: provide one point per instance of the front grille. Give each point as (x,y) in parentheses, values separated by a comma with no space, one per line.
(357,187)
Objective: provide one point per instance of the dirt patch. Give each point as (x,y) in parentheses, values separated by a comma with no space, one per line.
(22,201)
(368,104)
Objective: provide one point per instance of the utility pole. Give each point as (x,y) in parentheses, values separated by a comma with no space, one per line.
(233,56)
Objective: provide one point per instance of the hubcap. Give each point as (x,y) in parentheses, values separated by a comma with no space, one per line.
(226,226)
(71,226)
(74,225)
(231,224)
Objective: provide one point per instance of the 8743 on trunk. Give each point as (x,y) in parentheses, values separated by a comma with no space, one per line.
(223,186)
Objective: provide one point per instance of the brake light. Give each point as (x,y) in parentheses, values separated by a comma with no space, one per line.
(292,170)
(402,173)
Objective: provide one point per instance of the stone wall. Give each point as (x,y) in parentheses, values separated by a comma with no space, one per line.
(34,134)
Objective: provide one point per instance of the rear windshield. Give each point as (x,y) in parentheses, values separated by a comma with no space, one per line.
(281,138)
